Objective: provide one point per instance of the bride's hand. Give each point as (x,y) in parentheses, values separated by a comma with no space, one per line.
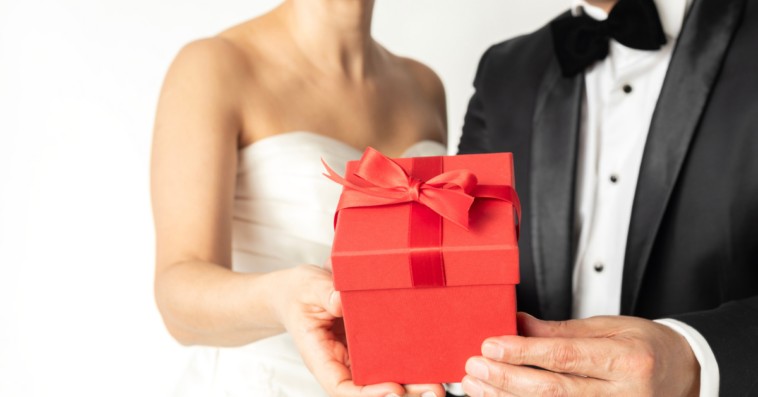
(311,311)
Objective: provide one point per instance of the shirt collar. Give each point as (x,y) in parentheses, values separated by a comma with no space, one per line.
(671,12)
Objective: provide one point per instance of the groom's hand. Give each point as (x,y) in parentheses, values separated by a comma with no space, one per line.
(614,355)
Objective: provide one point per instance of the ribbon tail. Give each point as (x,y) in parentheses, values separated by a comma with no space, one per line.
(336,178)
(504,193)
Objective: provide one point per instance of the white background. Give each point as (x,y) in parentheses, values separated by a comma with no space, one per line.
(79,81)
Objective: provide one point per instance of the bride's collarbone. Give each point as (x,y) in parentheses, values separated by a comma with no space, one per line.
(391,110)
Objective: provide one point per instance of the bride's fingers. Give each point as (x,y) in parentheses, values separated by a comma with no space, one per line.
(328,366)
(326,356)
(424,390)
(349,389)
(328,265)
(336,380)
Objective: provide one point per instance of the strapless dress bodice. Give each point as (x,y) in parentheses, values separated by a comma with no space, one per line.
(283,217)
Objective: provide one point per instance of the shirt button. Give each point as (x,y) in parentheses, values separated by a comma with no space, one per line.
(627,88)
(614,178)
(598,267)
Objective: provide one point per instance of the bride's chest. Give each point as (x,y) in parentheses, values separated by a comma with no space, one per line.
(389,118)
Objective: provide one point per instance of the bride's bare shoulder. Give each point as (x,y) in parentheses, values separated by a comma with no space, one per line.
(213,63)
(229,56)
(429,84)
(427,79)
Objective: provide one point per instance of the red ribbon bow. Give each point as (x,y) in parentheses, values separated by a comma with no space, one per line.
(450,194)
(447,194)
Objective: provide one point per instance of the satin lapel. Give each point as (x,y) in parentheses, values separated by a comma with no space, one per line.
(695,64)
(553,167)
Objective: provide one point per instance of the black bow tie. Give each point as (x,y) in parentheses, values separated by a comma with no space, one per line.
(581,40)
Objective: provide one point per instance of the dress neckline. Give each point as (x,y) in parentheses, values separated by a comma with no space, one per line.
(324,138)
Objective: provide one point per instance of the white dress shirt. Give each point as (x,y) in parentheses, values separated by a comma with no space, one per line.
(621,93)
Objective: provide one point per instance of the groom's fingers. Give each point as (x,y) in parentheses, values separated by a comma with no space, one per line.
(595,357)
(424,390)
(521,381)
(495,377)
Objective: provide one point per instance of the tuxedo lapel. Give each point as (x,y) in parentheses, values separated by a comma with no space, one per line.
(694,66)
(553,167)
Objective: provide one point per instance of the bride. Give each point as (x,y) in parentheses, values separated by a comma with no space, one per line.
(242,213)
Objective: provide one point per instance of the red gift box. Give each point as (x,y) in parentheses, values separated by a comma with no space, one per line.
(426,272)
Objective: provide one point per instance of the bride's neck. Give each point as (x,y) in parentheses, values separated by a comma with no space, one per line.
(335,35)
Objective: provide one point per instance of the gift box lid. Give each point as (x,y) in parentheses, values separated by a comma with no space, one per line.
(371,244)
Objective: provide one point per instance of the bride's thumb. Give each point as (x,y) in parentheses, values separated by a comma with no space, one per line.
(333,303)
(328,265)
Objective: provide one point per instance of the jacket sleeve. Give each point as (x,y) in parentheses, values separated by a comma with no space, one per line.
(732,333)
(474,139)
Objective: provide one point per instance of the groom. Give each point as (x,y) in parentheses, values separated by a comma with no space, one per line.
(634,128)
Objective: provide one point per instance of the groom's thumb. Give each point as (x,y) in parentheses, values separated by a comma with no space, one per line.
(531,326)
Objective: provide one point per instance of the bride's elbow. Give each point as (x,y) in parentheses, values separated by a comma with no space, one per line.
(163,302)
(182,336)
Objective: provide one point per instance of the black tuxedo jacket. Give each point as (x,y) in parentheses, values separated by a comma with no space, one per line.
(692,250)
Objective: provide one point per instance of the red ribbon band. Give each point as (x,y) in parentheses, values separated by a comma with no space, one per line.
(432,194)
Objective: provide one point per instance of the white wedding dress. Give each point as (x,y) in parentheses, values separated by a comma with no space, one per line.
(283,217)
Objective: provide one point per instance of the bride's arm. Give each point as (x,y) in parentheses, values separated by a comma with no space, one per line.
(202,301)
(194,164)
(193,171)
